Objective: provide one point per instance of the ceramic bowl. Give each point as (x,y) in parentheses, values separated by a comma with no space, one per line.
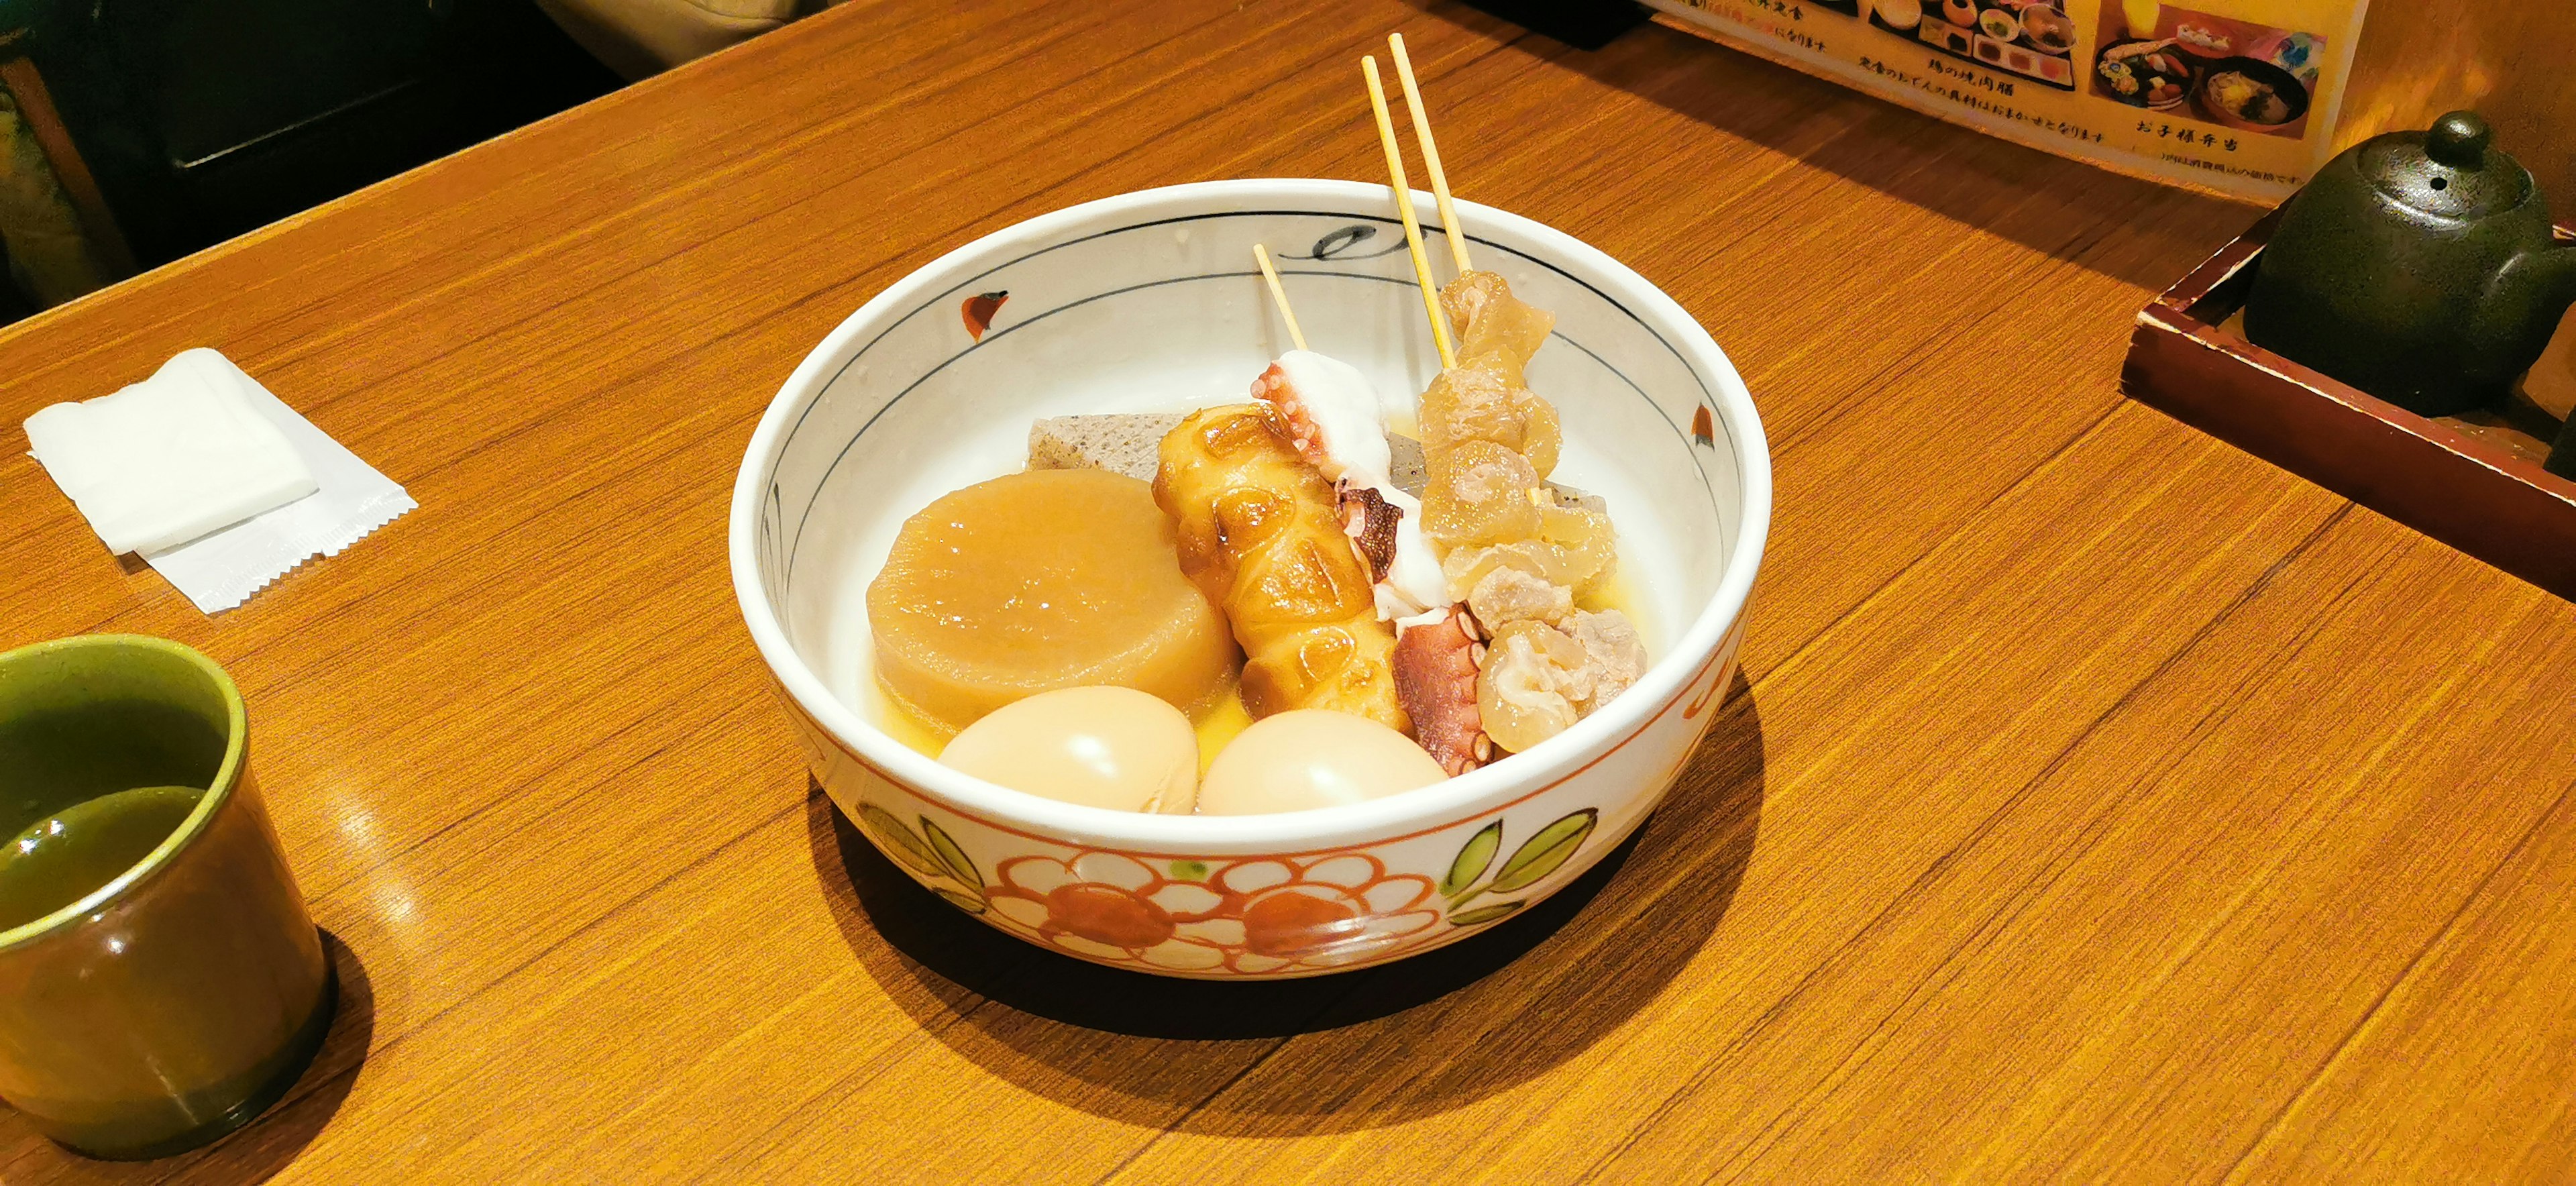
(1901,15)
(2047,29)
(1150,302)
(2294,94)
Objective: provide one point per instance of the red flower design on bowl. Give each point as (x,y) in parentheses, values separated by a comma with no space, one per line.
(1262,914)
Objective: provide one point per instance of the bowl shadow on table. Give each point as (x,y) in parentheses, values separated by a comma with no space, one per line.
(1447,1027)
(260,1149)
(2044,202)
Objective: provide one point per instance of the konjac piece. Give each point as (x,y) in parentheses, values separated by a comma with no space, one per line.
(1036,581)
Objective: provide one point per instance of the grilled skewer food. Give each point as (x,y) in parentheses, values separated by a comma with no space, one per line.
(1260,531)
(1333,417)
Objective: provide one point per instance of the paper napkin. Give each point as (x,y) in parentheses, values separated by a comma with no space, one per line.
(170,458)
(211,479)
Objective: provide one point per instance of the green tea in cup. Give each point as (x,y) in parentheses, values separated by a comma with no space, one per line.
(67,856)
(160,980)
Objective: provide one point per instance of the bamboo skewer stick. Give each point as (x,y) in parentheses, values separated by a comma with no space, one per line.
(1456,234)
(1404,206)
(1279,295)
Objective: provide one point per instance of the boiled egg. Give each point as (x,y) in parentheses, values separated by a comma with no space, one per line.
(1308,758)
(1097,746)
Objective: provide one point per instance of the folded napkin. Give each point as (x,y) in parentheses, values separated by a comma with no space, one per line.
(171,458)
(215,482)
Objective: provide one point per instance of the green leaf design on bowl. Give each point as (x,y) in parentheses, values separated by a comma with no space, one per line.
(952,857)
(1544,853)
(965,902)
(1472,860)
(892,836)
(1485,914)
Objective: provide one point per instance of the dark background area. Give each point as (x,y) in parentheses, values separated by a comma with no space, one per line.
(198,120)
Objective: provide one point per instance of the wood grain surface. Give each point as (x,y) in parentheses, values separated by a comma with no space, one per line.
(2099,803)
(2505,58)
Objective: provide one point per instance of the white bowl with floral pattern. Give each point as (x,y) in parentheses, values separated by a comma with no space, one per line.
(1149,302)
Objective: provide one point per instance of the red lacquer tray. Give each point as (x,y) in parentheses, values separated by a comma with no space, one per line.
(2469,486)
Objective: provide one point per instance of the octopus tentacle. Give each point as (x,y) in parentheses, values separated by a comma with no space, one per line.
(1294,422)
(1435,677)
(1370,520)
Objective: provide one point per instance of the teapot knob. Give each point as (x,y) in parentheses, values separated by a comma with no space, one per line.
(2458,140)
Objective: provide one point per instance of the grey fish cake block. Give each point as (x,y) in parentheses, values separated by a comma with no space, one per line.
(1129,444)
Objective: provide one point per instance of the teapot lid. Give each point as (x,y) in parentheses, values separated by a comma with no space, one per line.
(2449,170)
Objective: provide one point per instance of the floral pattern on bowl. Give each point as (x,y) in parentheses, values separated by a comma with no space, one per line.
(1256,916)
(1268,915)
(1260,915)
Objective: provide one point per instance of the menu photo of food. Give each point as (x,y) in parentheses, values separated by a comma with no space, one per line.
(2032,38)
(2233,73)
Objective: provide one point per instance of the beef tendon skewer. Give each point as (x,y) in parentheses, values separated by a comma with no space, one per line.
(1404,210)
(1517,561)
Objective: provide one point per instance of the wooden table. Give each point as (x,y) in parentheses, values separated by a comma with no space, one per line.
(2104,803)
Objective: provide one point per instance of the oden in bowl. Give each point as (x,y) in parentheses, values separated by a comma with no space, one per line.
(1149,302)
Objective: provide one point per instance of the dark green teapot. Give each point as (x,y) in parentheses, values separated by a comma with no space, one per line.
(2416,266)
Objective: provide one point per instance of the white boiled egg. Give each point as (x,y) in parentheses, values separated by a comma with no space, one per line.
(1309,758)
(1100,747)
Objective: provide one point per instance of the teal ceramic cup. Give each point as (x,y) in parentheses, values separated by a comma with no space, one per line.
(160,980)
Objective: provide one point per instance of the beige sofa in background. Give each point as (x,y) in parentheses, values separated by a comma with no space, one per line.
(642,37)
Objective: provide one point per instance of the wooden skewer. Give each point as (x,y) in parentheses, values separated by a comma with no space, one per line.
(1404,206)
(1456,234)
(1279,294)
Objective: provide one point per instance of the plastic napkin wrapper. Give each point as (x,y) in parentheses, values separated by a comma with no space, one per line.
(211,479)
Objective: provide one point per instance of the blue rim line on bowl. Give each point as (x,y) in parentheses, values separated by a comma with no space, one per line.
(981,279)
(1554,336)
